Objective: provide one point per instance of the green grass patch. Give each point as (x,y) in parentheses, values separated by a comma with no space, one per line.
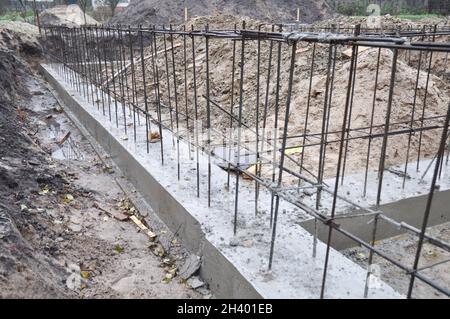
(16,16)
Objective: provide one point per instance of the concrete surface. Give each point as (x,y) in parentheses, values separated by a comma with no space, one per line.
(408,210)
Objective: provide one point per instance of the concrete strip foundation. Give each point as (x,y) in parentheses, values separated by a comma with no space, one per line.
(409,211)
(233,266)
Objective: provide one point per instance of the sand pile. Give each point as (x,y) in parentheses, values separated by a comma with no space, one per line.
(387,22)
(149,12)
(19,36)
(70,16)
(440,63)
(221,52)
(437,101)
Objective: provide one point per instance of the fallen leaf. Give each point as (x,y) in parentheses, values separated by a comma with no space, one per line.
(21,114)
(23,207)
(173,271)
(85,274)
(294,150)
(375,243)
(153,136)
(251,170)
(44,191)
(360,256)
(167,278)
(157,249)
(119,249)
(68,198)
(167,261)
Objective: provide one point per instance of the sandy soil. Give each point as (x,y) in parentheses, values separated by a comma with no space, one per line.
(387,22)
(69,16)
(221,52)
(172,11)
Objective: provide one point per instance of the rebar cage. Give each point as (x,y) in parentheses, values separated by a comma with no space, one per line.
(317,117)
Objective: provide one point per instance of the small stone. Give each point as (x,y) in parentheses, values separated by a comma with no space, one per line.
(234,242)
(247,243)
(75,227)
(195,282)
(309,191)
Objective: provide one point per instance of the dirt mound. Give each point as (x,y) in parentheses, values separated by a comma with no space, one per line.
(168,11)
(18,40)
(437,101)
(24,271)
(20,37)
(70,16)
(221,21)
(440,62)
(221,52)
(387,22)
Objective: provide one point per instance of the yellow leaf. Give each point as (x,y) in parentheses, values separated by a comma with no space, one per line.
(153,136)
(294,150)
(85,274)
(45,190)
(360,256)
(173,271)
(118,249)
(68,198)
(167,278)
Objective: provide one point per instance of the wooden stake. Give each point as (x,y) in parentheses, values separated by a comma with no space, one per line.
(144,228)
(36,15)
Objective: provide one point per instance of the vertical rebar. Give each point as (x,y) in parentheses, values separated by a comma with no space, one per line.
(386,127)
(208,116)
(338,171)
(238,150)
(141,42)
(283,147)
(196,128)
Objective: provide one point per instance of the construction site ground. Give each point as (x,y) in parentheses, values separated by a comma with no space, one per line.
(65,225)
(64,217)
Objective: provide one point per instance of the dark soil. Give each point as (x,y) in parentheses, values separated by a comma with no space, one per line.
(25,246)
(149,12)
(59,232)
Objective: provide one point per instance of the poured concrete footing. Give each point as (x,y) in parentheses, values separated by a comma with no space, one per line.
(409,211)
(234,266)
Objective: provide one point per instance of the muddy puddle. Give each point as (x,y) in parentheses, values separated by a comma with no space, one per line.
(56,130)
(66,145)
